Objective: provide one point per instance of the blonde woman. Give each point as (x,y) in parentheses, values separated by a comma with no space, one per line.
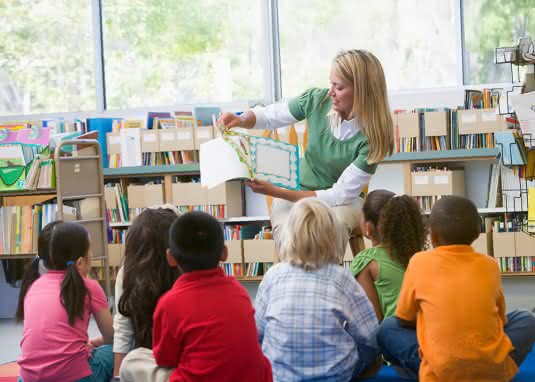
(314,321)
(349,131)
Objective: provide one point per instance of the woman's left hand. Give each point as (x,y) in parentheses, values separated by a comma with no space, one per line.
(261,186)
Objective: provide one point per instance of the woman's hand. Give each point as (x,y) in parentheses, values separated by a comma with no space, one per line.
(229,120)
(261,187)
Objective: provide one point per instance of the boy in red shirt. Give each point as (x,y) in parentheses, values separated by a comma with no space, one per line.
(204,326)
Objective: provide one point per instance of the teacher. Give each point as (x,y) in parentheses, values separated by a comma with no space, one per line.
(349,132)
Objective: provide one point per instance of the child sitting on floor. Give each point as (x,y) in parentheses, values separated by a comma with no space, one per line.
(56,312)
(143,279)
(38,266)
(204,326)
(313,318)
(453,296)
(395,228)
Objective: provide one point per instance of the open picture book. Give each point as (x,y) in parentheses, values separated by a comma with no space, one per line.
(240,156)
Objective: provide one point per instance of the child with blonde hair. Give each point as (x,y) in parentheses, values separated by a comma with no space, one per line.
(314,320)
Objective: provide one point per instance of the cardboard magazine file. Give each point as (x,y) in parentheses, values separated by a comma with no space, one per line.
(203,134)
(408,125)
(228,194)
(490,121)
(524,244)
(143,196)
(113,143)
(430,183)
(469,122)
(481,244)
(110,198)
(168,140)
(436,123)
(153,195)
(150,141)
(115,254)
(188,194)
(235,251)
(260,251)
(185,138)
(504,244)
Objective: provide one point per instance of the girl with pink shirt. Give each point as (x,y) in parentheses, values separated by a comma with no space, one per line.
(56,310)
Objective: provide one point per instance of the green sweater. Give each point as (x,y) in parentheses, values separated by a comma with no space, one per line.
(326,157)
(389,278)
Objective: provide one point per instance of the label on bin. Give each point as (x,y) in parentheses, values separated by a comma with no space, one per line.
(421,179)
(441,179)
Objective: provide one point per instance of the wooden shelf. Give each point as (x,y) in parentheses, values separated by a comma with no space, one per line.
(246,219)
(179,169)
(444,155)
(250,279)
(17,256)
(239,219)
(48,191)
(518,274)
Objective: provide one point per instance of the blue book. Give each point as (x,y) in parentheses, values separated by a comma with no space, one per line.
(102,126)
(203,114)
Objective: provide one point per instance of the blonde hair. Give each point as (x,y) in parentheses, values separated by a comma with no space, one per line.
(312,236)
(364,72)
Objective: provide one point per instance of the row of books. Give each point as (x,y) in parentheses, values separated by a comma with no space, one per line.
(42,175)
(20,226)
(517,264)
(446,129)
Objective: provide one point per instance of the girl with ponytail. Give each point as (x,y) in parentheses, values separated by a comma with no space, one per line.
(395,227)
(56,309)
(38,266)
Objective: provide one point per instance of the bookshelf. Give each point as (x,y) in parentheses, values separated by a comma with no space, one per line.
(444,155)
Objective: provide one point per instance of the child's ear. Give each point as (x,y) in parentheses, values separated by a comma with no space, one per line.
(369,230)
(80,263)
(224,254)
(171,259)
(435,240)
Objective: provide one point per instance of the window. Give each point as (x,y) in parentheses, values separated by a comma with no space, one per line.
(168,52)
(489,24)
(47,60)
(414,40)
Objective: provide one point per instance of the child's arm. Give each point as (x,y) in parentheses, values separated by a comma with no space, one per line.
(366,280)
(166,341)
(407,324)
(105,326)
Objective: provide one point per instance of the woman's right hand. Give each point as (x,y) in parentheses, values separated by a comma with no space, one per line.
(230,120)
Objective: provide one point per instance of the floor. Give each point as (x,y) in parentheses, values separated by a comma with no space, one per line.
(11,333)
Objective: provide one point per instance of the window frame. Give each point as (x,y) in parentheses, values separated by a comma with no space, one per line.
(272,77)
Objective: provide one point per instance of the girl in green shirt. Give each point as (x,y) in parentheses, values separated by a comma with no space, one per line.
(395,227)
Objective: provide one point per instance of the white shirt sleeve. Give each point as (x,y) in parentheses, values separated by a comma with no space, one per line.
(273,116)
(347,188)
(123,337)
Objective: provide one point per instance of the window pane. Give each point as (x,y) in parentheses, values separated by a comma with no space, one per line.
(166,52)
(489,24)
(415,40)
(47,61)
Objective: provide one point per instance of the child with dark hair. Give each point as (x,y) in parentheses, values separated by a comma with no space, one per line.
(204,327)
(57,308)
(38,266)
(143,279)
(453,296)
(395,228)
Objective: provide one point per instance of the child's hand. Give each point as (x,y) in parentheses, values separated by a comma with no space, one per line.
(95,343)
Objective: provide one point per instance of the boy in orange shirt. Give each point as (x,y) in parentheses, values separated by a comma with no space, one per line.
(453,296)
